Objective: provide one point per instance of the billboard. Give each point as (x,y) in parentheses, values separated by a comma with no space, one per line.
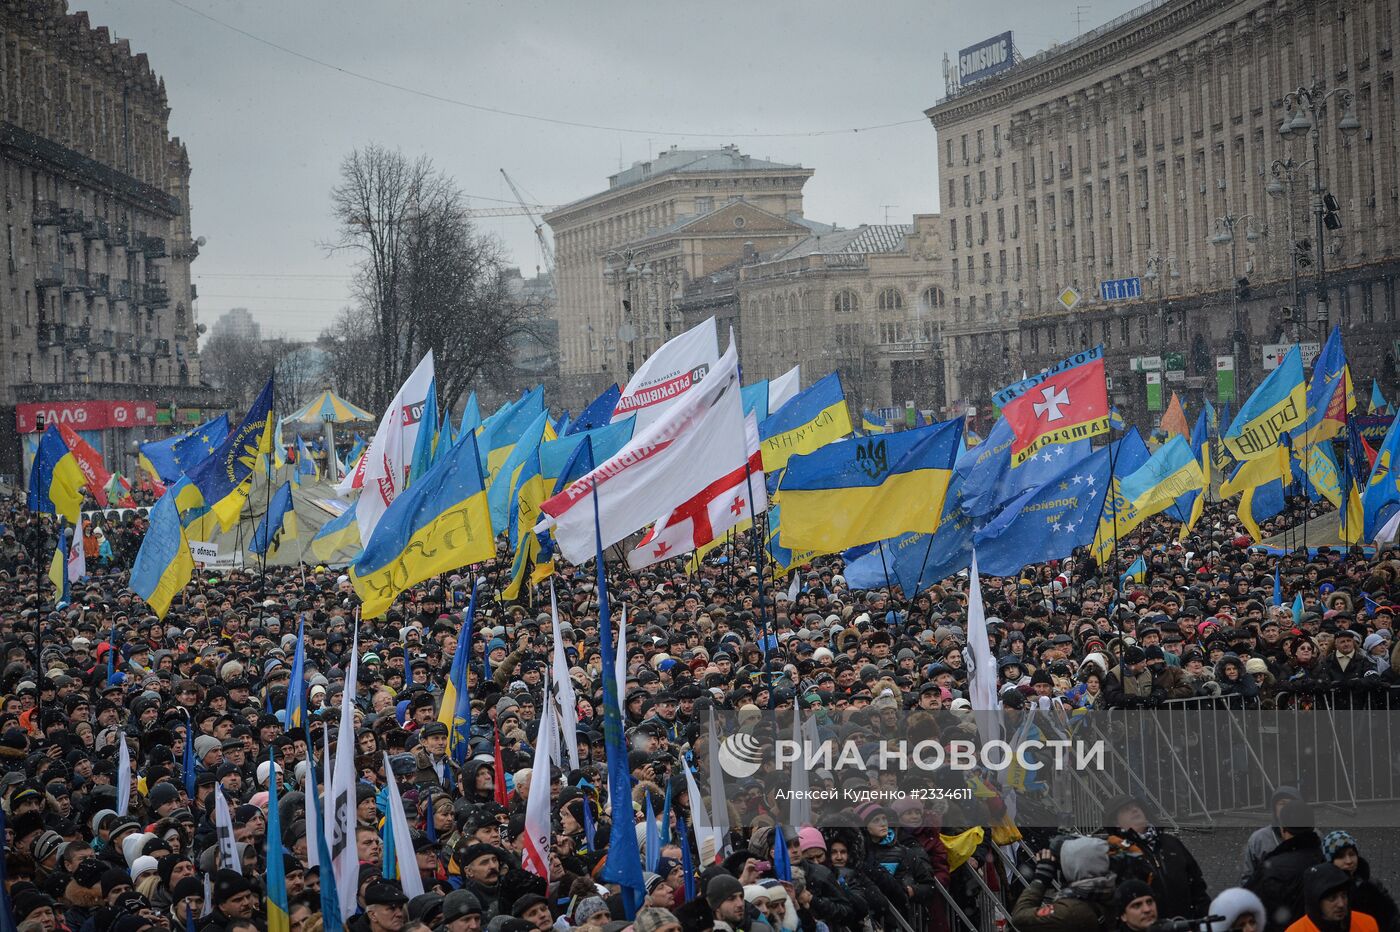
(989,57)
(86,415)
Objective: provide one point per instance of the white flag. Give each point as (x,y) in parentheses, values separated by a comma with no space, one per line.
(620,661)
(801,798)
(124,778)
(223,831)
(783,388)
(711,513)
(384,467)
(982,679)
(340,810)
(720,823)
(699,441)
(534,853)
(669,374)
(313,846)
(77,560)
(706,836)
(563,685)
(409,878)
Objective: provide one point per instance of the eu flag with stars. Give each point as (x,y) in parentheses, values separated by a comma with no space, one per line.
(1048,522)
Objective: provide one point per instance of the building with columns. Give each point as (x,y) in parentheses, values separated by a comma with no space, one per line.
(623,256)
(1150,150)
(96,304)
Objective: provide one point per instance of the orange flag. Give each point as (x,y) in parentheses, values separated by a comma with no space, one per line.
(1174,419)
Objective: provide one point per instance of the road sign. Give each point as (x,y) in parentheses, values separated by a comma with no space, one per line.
(1145,363)
(1274,353)
(1069,298)
(1121,289)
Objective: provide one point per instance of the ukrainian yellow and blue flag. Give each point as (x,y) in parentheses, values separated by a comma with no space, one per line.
(278,911)
(503,481)
(341,533)
(872,423)
(163,564)
(1279,405)
(426,441)
(1381,499)
(222,480)
(500,431)
(56,480)
(1358,470)
(1137,573)
(455,711)
(277,525)
(785,557)
(306,463)
(58,567)
(812,418)
(605,440)
(1331,397)
(1188,508)
(868,489)
(438,524)
(296,713)
(471,416)
(530,491)
(1378,403)
(1260,483)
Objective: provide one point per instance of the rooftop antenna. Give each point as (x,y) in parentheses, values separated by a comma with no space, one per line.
(1079,12)
(887,211)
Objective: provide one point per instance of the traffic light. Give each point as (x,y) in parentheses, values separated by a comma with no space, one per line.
(1242,289)
(1330,220)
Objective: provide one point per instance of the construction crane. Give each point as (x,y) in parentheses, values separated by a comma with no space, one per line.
(545,249)
(521,211)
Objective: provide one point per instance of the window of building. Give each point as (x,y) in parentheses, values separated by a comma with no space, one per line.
(846,302)
(933,297)
(704,205)
(890,300)
(953,232)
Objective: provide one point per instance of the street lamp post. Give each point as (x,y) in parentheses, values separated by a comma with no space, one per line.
(1284,180)
(624,272)
(1303,112)
(1239,288)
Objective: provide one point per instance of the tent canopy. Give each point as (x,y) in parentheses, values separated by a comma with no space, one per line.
(328,406)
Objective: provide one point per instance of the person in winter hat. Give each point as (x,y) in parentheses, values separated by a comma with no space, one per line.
(1327,903)
(1240,911)
(1367,896)
(1085,901)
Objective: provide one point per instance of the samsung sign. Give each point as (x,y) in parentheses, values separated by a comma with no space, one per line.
(986,59)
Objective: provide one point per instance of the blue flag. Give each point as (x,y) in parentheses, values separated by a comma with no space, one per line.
(330,901)
(1278,589)
(782,864)
(277,522)
(683,839)
(1046,523)
(915,561)
(455,698)
(1298,608)
(623,866)
(599,411)
(296,686)
(188,762)
(653,835)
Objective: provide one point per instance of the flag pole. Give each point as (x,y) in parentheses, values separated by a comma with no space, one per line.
(762,609)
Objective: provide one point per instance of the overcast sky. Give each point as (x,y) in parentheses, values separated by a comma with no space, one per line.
(267,129)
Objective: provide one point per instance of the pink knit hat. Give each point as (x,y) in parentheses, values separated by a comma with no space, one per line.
(810,838)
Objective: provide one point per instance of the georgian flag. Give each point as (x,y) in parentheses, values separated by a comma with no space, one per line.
(77,559)
(711,512)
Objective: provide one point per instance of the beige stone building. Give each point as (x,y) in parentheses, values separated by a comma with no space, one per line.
(96,303)
(1122,154)
(869,301)
(623,256)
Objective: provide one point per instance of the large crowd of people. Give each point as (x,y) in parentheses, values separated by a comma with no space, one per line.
(1200,622)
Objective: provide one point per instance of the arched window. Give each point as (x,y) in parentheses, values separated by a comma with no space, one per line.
(933,297)
(890,300)
(846,302)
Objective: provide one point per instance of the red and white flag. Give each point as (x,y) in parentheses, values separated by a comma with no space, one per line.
(534,853)
(669,374)
(77,559)
(95,474)
(668,463)
(383,470)
(709,514)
